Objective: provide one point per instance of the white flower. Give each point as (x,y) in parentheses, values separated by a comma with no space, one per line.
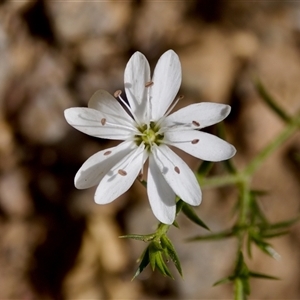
(147,130)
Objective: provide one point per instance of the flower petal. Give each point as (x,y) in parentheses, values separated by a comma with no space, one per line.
(161,196)
(95,168)
(204,114)
(137,74)
(166,83)
(200,144)
(121,177)
(94,123)
(177,174)
(109,106)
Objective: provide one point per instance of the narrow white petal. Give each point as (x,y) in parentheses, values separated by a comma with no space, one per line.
(136,76)
(91,122)
(161,196)
(96,167)
(177,174)
(120,178)
(205,114)
(109,107)
(200,144)
(166,83)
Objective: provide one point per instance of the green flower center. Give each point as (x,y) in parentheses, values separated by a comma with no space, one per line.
(149,136)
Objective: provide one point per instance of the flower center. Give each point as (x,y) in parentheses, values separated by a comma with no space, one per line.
(149,135)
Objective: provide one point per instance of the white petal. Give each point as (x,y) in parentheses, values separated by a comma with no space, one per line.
(109,107)
(161,196)
(204,113)
(200,144)
(137,74)
(95,168)
(89,121)
(166,83)
(121,177)
(177,174)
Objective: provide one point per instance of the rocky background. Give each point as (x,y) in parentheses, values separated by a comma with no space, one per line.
(55,243)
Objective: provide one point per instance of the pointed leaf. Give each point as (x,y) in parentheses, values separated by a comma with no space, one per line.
(190,213)
(263,276)
(223,280)
(271,102)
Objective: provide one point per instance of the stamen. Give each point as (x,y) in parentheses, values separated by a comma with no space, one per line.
(103,121)
(107,153)
(195,141)
(149,83)
(177,170)
(180,97)
(117,93)
(196,123)
(122,172)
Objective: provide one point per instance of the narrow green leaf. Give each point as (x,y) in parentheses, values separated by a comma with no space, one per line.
(190,213)
(274,234)
(284,224)
(263,276)
(223,281)
(271,102)
(144,259)
(267,248)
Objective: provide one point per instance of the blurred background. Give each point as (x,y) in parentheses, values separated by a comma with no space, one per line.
(55,243)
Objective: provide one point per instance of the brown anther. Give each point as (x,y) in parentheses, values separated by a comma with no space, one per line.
(122,172)
(196,123)
(180,97)
(107,153)
(103,121)
(149,83)
(117,93)
(140,177)
(177,170)
(195,141)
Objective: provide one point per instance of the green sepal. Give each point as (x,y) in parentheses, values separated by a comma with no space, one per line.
(167,244)
(144,261)
(161,265)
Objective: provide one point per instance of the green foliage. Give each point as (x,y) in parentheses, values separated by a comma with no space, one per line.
(252,227)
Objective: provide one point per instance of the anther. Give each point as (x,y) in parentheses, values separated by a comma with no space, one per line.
(195,141)
(122,172)
(196,123)
(149,83)
(177,170)
(107,153)
(180,97)
(103,121)
(117,93)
